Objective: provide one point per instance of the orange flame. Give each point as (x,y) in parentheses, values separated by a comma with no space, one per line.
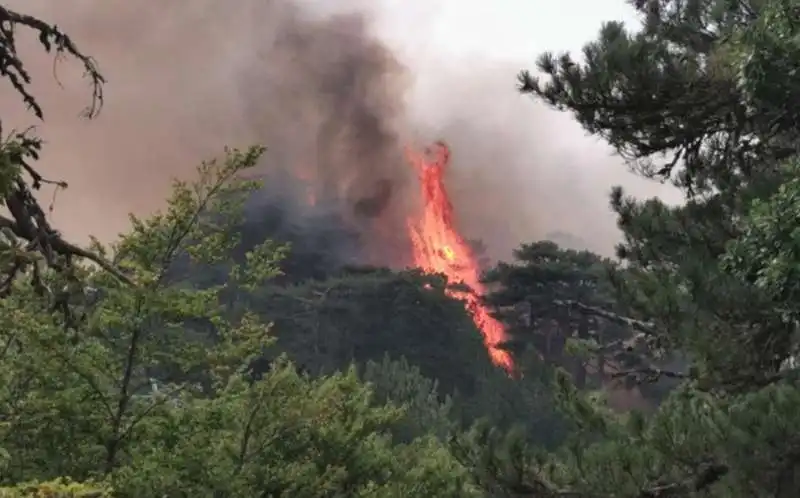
(439,248)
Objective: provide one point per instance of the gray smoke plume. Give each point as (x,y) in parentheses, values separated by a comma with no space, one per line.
(333,102)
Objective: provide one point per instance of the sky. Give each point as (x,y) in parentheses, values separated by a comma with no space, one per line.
(506,29)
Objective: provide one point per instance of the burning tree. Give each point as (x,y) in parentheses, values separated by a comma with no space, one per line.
(438,247)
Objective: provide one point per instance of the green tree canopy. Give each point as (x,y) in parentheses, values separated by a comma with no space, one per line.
(133,402)
(562,302)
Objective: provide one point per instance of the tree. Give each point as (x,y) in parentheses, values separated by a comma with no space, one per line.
(561,301)
(288,435)
(130,337)
(362,314)
(427,411)
(140,401)
(533,296)
(708,84)
(60,488)
(731,153)
(669,90)
(673,91)
(142,385)
(28,243)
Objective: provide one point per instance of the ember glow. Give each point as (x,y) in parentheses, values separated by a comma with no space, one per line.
(439,248)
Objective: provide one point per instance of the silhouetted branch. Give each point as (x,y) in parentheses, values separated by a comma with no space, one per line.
(52,40)
(30,244)
(646,328)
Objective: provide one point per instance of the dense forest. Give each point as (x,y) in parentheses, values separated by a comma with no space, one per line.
(204,354)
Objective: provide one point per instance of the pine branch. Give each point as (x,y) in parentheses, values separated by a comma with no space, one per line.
(486,455)
(707,475)
(649,374)
(646,328)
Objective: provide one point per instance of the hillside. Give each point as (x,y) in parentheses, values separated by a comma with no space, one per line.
(321,324)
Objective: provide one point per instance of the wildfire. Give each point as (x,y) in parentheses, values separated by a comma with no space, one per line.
(439,248)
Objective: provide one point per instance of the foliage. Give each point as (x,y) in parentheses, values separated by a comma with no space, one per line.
(426,411)
(135,400)
(286,435)
(699,96)
(728,157)
(544,296)
(763,54)
(667,97)
(129,338)
(166,382)
(766,257)
(60,488)
(361,315)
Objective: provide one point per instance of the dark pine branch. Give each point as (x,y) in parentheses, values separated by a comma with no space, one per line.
(32,244)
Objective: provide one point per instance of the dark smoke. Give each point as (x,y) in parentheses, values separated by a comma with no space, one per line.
(322,92)
(336,96)
(375,205)
(328,98)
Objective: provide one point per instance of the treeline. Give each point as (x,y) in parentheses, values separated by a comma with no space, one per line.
(195,358)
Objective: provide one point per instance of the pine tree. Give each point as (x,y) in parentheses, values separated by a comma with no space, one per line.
(539,296)
(690,87)
(704,96)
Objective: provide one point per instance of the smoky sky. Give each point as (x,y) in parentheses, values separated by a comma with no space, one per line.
(334,103)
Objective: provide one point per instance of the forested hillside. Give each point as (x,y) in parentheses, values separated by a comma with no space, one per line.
(218,349)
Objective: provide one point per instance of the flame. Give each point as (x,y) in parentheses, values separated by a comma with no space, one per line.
(439,248)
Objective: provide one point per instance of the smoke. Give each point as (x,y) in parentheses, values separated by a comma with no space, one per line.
(333,102)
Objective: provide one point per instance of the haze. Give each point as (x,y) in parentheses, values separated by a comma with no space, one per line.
(174,98)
